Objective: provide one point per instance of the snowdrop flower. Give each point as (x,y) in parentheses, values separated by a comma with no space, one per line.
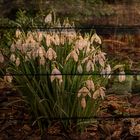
(106,71)
(51,54)
(90,85)
(83,103)
(48,40)
(99,92)
(73,55)
(17,61)
(39,36)
(42,61)
(48,18)
(13,48)
(8,78)
(79,68)
(122,76)
(96,38)
(18,33)
(1,58)
(56,74)
(79,43)
(82,43)
(56,39)
(90,66)
(12,58)
(62,39)
(101,58)
(84,92)
(41,51)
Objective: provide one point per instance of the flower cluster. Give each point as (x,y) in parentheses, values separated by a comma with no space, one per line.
(55,49)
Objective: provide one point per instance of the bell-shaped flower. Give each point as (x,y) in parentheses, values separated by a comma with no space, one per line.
(84,92)
(96,38)
(48,40)
(99,92)
(101,58)
(83,103)
(79,68)
(8,78)
(17,61)
(48,18)
(73,55)
(51,54)
(90,66)
(90,85)
(13,57)
(42,61)
(18,33)
(41,51)
(13,48)
(56,39)
(108,71)
(122,76)
(56,74)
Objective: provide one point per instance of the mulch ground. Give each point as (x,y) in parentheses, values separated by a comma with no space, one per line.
(15,121)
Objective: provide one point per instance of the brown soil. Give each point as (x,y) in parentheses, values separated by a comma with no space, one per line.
(15,121)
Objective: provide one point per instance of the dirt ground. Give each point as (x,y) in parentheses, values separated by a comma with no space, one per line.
(15,120)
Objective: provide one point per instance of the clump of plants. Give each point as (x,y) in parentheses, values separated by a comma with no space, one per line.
(59,73)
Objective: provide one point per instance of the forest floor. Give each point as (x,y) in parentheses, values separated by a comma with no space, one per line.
(15,120)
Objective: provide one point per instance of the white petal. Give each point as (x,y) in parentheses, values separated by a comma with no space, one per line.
(48,18)
(79,68)
(83,103)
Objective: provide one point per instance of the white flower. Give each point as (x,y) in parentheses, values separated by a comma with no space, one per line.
(79,68)
(56,39)
(82,43)
(108,70)
(13,48)
(12,58)
(1,58)
(56,74)
(83,103)
(73,55)
(42,61)
(96,38)
(41,51)
(90,66)
(51,54)
(62,39)
(122,76)
(84,92)
(17,61)
(18,33)
(48,40)
(103,72)
(8,78)
(90,85)
(39,36)
(48,18)
(101,58)
(99,92)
